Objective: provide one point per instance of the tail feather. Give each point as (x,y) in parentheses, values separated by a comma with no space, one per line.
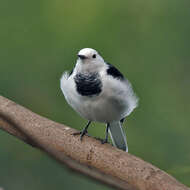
(118,135)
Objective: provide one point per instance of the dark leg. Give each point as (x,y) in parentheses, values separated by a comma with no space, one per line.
(84,131)
(106,138)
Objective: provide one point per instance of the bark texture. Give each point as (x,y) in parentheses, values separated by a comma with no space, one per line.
(104,163)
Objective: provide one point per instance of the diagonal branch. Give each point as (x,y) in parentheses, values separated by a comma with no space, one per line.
(103,163)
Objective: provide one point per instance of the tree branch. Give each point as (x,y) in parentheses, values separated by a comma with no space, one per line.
(103,163)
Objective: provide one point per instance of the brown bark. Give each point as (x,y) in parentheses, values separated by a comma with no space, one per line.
(103,163)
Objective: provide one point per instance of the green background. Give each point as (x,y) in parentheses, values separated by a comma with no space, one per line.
(149,41)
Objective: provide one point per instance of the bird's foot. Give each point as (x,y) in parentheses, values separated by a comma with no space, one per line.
(81,133)
(103,141)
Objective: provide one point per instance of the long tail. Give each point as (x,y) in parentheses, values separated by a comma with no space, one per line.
(118,135)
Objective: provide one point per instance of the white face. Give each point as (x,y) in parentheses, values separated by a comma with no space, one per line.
(88,55)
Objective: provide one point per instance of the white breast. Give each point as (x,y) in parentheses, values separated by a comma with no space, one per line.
(115,102)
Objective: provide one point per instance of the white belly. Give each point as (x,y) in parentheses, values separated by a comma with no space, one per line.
(112,104)
(98,109)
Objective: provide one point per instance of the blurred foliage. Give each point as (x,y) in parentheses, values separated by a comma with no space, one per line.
(147,40)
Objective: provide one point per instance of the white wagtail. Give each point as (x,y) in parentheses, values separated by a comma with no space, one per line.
(99,92)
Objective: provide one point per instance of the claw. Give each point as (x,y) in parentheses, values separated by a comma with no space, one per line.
(81,133)
(77,133)
(104,141)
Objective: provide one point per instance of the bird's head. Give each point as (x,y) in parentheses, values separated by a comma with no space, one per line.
(89,56)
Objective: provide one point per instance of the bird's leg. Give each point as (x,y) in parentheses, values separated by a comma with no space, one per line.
(106,138)
(84,131)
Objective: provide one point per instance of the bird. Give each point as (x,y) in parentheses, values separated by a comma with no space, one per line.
(99,92)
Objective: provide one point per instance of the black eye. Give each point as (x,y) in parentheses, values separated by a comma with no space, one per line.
(94,56)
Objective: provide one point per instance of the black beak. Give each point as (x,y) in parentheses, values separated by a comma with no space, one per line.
(82,56)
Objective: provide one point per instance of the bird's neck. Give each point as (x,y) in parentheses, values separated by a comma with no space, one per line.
(88,68)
